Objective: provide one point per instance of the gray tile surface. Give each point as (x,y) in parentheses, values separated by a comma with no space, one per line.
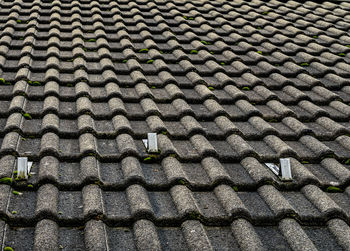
(226,85)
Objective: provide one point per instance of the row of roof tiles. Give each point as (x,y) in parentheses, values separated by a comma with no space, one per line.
(169,41)
(248,174)
(254,128)
(240,110)
(278,48)
(234,147)
(191,235)
(53,69)
(326,5)
(318,66)
(187,80)
(198,93)
(259,31)
(218,207)
(254,8)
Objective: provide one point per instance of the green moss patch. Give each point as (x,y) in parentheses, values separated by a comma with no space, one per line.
(99,183)
(194,216)
(147,159)
(34,83)
(151,158)
(27,116)
(333,189)
(187,18)
(329,156)
(143,50)
(181,182)
(6,180)
(205,42)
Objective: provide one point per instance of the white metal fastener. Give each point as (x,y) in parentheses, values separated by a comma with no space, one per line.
(23,167)
(286,170)
(151,143)
(283,171)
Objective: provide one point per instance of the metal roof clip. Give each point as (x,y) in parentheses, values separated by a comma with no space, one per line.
(283,171)
(151,143)
(23,167)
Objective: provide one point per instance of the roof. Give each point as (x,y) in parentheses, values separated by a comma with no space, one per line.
(227,85)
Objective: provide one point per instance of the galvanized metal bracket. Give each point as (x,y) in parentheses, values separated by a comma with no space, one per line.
(151,143)
(275,169)
(286,169)
(23,167)
(283,171)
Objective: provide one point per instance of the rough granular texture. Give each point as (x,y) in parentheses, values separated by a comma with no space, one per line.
(226,85)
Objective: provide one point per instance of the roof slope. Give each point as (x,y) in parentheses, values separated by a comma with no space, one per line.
(227,85)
